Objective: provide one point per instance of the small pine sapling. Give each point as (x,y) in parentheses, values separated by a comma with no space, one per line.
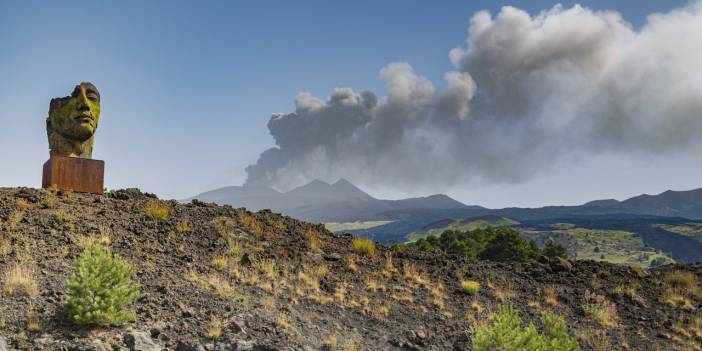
(101,286)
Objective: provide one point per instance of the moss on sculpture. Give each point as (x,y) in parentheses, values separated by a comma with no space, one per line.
(72,122)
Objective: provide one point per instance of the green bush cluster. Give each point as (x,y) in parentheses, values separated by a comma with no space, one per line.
(101,286)
(505,332)
(495,244)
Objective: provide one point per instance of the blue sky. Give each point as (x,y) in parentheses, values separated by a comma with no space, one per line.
(187,88)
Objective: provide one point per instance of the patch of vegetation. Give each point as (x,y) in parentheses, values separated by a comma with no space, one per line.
(314,239)
(505,332)
(48,200)
(219,263)
(495,244)
(156,210)
(65,219)
(214,328)
(601,310)
(250,222)
(13,220)
(18,278)
(363,247)
(358,225)
(470,287)
(552,249)
(267,267)
(214,282)
(462,225)
(615,246)
(183,227)
(101,286)
(682,289)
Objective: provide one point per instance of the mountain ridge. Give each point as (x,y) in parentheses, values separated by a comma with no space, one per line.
(319,201)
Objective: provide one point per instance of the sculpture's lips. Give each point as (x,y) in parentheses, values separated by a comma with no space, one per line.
(84,118)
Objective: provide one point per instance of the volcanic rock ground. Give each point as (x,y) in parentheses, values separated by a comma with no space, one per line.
(290,285)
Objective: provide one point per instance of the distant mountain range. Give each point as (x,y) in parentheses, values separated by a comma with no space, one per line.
(342,201)
(687,204)
(319,201)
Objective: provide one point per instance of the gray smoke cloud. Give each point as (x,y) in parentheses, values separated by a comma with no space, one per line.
(526,92)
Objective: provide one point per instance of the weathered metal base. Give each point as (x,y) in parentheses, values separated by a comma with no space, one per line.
(74,174)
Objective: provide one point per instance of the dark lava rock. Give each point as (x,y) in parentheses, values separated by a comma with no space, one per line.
(559,264)
(140,341)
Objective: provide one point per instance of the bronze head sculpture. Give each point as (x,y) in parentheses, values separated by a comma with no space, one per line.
(72,122)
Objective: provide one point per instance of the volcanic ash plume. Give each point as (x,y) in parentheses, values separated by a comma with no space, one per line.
(525,93)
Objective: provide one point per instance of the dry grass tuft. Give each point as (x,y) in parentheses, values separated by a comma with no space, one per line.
(18,278)
(267,267)
(224,227)
(13,220)
(388,267)
(551,295)
(216,283)
(214,328)
(438,292)
(595,340)
(219,263)
(329,344)
(373,285)
(251,223)
(65,219)
(503,292)
(105,236)
(156,210)
(183,227)
(601,310)
(363,247)
(375,311)
(351,263)
(314,239)
(476,307)
(411,273)
(681,289)
(22,203)
(402,296)
(534,305)
(283,321)
(309,278)
(5,245)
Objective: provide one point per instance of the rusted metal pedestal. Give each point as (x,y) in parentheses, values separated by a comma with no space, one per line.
(74,174)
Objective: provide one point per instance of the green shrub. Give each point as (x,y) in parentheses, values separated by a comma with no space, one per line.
(504,332)
(552,249)
(470,287)
(363,247)
(101,286)
(508,245)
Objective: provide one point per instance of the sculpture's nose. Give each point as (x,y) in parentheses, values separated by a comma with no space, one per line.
(83,103)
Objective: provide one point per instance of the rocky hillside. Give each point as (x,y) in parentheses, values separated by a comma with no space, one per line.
(220,278)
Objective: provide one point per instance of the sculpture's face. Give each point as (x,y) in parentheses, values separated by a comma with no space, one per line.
(76,117)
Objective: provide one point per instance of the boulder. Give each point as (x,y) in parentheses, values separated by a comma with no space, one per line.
(560,264)
(140,341)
